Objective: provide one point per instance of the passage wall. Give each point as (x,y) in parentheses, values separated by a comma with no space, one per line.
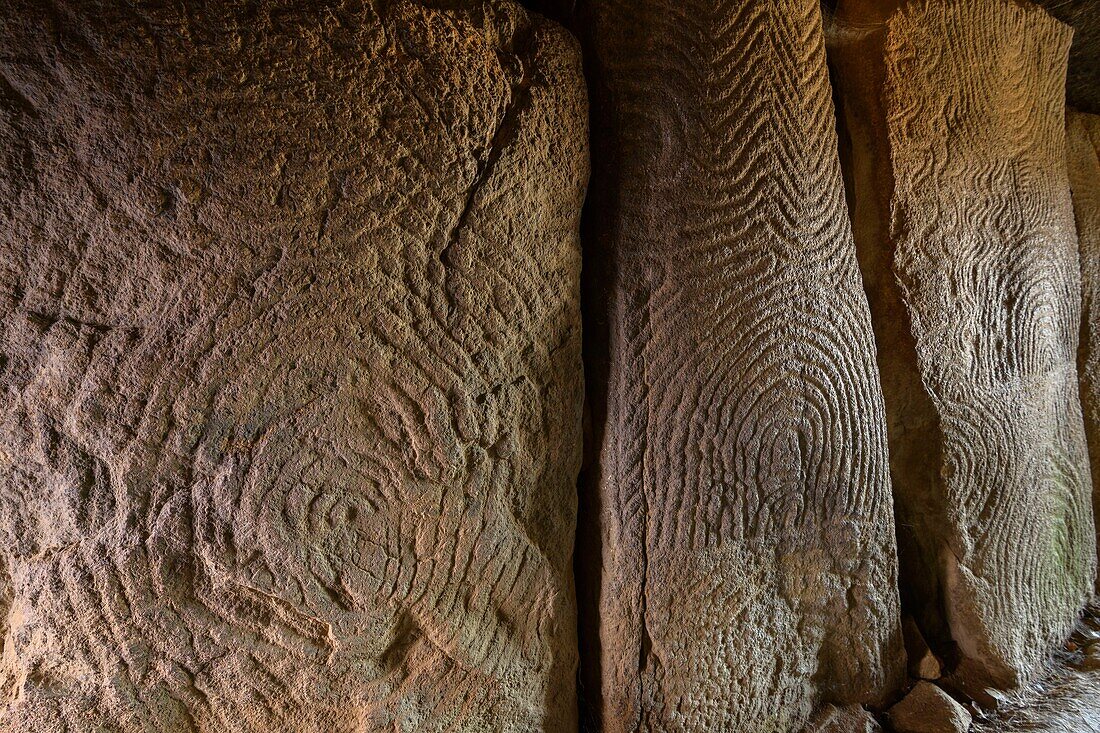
(291,378)
(966,237)
(740,470)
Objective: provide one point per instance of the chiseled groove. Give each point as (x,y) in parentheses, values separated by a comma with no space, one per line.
(981,249)
(243,535)
(733,242)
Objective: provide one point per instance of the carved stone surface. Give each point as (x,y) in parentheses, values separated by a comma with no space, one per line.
(965,231)
(290,381)
(740,468)
(1083,154)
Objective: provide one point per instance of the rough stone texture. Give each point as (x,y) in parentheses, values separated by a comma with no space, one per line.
(290,416)
(740,470)
(1083,155)
(846,719)
(928,709)
(965,234)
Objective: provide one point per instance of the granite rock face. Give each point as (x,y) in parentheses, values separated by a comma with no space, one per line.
(740,474)
(966,238)
(291,382)
(1083,155)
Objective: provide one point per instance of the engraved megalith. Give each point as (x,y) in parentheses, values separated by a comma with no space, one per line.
(962,218)
(739,467)
(290,388)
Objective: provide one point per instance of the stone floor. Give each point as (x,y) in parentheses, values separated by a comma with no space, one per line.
(1067,700)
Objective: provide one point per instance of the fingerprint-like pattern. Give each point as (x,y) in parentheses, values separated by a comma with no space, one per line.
(290,367)
(966,235)
(1083,155)
(748,564)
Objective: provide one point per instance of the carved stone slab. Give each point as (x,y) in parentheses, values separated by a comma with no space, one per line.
(741,472)
(291,384)
(965,230)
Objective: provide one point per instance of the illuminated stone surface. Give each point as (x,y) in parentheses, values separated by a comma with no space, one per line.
(741,477)
(963,221)
(291,374)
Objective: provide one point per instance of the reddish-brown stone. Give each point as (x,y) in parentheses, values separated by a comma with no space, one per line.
(290,384)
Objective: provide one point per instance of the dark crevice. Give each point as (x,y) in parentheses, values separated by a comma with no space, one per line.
(599,272)
(912,421)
